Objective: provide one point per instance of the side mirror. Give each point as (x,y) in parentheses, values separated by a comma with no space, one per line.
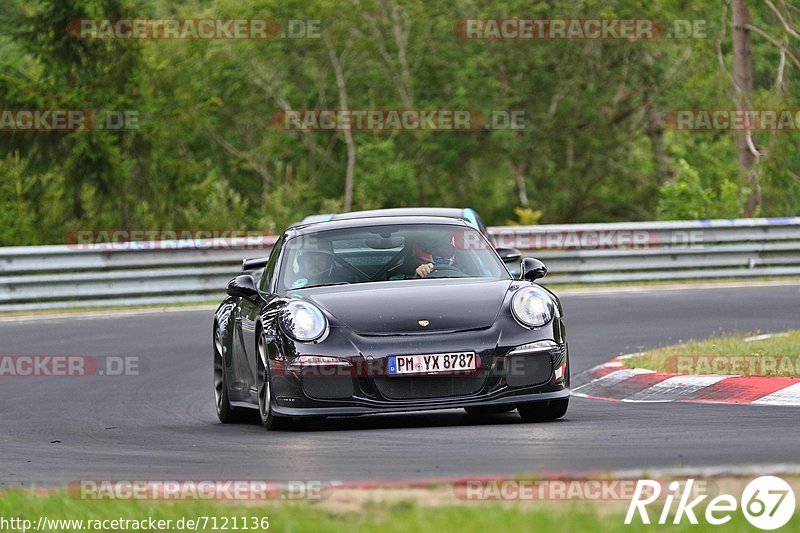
(532,269)
(509,255)
(243,286)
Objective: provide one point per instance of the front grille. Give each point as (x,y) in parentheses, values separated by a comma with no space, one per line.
(420,387)
(328,387)
(529,370)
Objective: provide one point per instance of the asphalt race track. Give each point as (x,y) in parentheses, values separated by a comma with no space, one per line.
(161,423)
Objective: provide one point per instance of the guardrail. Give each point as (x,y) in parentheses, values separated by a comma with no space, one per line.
(644,251)
(52,277)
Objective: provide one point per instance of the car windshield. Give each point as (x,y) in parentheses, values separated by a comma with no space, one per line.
(387,253)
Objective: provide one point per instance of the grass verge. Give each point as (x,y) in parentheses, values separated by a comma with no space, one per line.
(740,354)
(396,517)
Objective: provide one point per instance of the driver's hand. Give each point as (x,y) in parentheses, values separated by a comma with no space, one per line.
(424,270)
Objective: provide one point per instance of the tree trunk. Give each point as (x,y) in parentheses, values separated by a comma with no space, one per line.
(348,134)
(655,130)
(743,80)
(522,188)
(655,127)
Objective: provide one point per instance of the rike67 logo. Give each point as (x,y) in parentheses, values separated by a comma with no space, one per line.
(767,502)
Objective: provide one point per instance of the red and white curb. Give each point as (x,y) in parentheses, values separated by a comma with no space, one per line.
(614,381)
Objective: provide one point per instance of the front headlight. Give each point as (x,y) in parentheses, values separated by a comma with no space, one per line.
(304,321)
(532,306)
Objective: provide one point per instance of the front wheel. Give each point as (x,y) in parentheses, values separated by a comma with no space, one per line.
(543,411)
(269,420)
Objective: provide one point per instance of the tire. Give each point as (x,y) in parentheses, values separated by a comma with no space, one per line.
(225,413)
(269,420)
(489,410)
(543,411)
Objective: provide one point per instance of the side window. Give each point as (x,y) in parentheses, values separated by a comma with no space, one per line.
(269,270)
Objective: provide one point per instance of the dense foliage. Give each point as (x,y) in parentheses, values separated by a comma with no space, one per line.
(207,155)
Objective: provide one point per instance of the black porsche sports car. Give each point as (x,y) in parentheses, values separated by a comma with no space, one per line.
(388,314)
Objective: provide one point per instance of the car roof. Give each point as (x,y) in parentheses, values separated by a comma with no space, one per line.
(314,218)
(377,220)
(449,212)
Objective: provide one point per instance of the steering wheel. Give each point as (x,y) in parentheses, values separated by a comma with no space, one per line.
(445,269)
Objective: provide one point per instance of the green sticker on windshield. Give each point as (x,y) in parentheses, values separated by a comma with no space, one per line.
(302,282)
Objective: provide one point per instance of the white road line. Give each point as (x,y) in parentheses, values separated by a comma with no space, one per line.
(103,315)
(634,289)
(765,336)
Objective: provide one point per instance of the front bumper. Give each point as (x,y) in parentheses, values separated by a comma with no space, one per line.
(448,403)
(503,377)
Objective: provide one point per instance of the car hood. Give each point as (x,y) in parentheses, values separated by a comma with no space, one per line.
(398,307)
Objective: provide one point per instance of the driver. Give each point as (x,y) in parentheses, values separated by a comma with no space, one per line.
(433,254)
(316,267)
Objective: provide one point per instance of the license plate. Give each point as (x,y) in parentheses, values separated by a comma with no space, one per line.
(432,364)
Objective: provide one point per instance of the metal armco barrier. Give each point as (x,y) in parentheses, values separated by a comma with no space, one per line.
(52,277)
(644,251)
